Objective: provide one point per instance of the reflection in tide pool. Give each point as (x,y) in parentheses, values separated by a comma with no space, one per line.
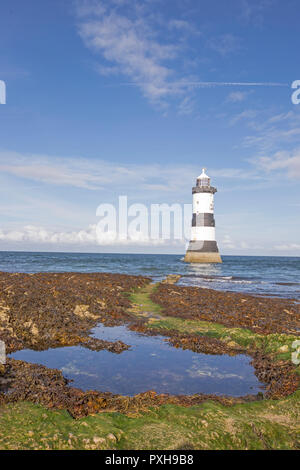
(150,364)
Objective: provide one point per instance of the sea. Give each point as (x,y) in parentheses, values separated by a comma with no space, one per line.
(275,276)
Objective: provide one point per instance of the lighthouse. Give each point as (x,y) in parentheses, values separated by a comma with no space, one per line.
(203,247)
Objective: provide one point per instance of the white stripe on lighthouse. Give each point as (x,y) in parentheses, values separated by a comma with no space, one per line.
(203,202)
(203,233)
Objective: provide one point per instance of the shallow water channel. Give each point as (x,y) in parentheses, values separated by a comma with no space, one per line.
(150,364)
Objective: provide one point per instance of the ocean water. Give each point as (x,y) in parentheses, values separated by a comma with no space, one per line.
(263,275)
(150,364)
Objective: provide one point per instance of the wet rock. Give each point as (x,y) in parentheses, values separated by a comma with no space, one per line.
(171,279)
(98,344)
(284,348)
(48,310)
(280,377)
(98,440)
(259,314)
(198,343)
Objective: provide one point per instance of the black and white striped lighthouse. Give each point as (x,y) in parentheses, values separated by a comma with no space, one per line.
(203,247)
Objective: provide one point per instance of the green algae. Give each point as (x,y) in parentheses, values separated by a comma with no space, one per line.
(278,344)
(267,424)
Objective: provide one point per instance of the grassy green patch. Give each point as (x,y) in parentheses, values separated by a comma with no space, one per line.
(141,302)
(261,425)
(279,344)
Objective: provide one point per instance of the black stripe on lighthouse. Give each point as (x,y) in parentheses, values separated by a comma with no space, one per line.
(203,220)
(206,246)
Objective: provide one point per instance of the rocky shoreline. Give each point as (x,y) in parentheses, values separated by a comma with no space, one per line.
(46,310)
(49,310)
(264,315)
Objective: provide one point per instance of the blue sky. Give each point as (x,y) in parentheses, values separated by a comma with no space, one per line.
(119,97)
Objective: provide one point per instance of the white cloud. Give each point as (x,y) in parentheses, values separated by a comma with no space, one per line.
(254,10)
(99,174)
(273,132)
(179,24)
(237,96)
(283,162)
(31,233)
(228,243)
(186,106)
(225,44)
(288,247)
(89,236)
(244,115)
(131,45)
(282,117)
(89,7)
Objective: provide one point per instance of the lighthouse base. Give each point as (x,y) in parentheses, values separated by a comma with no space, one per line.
(194,257)
(202,252)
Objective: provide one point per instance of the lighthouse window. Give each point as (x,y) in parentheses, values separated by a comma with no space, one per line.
(204,182)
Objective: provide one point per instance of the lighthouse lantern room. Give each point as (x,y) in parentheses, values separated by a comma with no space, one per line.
(203,247)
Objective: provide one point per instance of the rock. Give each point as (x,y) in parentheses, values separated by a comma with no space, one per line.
(47,310)
(284,348)
(171,279)
(261,315)
(98,440)
(233,344)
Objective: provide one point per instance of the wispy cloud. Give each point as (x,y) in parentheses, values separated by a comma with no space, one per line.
(128,39)
(99,174)
(186,106)
(131,45)
(84,237)
(282,162)
(237,96)
(185,83)
(288,247)
(243,116)
(228,243)
(225,44)
(273,132)
(254,11)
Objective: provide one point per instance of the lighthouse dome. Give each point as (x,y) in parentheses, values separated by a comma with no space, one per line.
(203,179)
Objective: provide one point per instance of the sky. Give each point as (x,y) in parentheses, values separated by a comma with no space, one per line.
(125,97)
